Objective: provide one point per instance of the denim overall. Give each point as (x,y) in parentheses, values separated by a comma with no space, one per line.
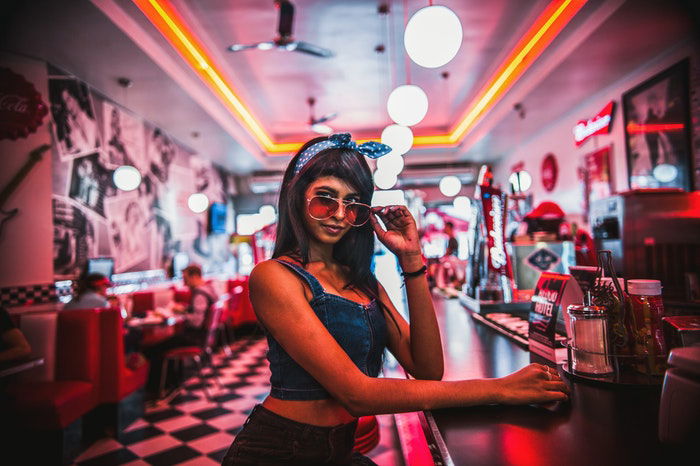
(359,329)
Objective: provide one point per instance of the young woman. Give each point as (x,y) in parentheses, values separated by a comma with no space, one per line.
(328,319)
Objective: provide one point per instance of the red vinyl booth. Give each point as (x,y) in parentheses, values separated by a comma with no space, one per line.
(54,409)
(142,301)
(120,394)
(240,307)
(117,381)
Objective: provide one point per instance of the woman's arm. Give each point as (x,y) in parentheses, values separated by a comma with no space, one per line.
(280,304)
(17,344)
(420,350)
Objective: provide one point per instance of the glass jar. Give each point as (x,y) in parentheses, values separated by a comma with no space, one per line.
(645,314)
(589,340)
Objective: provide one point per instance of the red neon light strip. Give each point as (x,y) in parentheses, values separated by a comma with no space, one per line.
(634,128)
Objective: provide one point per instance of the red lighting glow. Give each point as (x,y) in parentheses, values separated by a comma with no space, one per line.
(634,128)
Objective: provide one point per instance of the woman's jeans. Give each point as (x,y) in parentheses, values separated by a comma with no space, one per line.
(270,439)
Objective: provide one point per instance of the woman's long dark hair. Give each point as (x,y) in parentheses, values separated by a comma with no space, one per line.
(356,248)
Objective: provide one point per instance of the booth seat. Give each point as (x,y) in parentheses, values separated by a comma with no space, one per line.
(240,307)
(40,331)
(121,394)
(142,301)
(49,413)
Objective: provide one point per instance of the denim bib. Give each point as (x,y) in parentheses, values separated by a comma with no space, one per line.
(359,329)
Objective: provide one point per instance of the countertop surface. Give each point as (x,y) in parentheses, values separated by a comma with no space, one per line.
(600,425)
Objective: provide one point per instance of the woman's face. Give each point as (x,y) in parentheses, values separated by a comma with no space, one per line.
(331,230)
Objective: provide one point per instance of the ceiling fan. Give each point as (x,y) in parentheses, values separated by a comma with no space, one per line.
(318,125)
(285,40)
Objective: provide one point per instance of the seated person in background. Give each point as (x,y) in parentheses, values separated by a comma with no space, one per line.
(202,298)
(13,344)
(91,292)
(452,244)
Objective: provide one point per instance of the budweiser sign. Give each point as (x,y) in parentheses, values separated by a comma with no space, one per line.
(21,109)
(599,124)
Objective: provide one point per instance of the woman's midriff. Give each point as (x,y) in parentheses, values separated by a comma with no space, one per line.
(324,413)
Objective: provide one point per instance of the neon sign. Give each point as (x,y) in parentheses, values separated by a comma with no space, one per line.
(599,124)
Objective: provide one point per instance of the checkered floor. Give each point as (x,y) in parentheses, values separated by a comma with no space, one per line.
(190,430)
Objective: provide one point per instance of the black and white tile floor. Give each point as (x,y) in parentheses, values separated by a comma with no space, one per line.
(190,430)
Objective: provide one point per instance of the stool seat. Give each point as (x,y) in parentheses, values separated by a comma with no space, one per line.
(184,352)
(366,434)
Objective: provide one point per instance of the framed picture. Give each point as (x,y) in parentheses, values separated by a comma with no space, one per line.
(657,130)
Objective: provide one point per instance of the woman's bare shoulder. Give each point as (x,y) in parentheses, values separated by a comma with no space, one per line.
(270,272)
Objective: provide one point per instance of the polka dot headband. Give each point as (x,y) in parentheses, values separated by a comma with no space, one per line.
(370,149)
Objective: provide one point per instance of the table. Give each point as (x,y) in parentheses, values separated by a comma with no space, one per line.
(601,425)
(8,368)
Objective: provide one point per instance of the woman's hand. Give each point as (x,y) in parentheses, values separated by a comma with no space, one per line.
(401,234)
(532,384)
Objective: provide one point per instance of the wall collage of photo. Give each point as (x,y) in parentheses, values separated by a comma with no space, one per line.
(141,229)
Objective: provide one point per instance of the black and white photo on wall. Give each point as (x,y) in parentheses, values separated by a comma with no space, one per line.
(90,182)
(657,130)
(74,238)
(74,125)
(124,137)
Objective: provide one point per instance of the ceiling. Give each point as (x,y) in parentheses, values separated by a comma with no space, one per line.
(101,40)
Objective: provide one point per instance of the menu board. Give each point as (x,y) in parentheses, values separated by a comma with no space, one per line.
(549,323)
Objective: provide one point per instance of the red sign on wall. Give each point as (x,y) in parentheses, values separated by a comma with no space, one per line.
(550,172)
(21,108)
(599,124)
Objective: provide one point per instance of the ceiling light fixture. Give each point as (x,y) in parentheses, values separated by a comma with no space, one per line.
(385,180)
(399,138)
(198,202)
(391,163)
(126,178)
(450,185)
(433,36)
(537,38)
(407,105)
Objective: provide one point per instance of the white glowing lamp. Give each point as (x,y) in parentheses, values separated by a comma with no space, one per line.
(127,178)
(521,181)
(665,172)
(433,36)
(462,204)
(385,180)
(390,163)
(407,105)
(198,202)
(268,214)
(450,185)
(399,138)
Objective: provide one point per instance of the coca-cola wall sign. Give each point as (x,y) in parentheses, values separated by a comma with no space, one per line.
(22,110)
(550,172)
(599,124)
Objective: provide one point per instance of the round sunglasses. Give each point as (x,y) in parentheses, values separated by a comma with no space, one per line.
(324,207)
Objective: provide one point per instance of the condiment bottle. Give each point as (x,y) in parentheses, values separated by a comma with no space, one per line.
(618,333)
(646,311)
(589,329)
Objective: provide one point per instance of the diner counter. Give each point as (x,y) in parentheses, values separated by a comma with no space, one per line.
(600,425)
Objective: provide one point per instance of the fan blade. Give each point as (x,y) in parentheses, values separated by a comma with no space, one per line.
(326,118)
(286,19)
(315,50)
(259,46)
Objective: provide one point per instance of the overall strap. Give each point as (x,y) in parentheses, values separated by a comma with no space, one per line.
(316,288)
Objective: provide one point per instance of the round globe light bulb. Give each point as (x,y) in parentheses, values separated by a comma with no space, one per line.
(198,202)
(462,204)
(268,214)
(407,105)
(127,178)
(390,163)
(433,36)
(385,180)
(399,138)
(450,185)
(521,181)
(665,172)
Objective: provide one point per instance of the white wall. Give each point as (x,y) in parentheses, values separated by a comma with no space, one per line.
(26,243)
(558,139)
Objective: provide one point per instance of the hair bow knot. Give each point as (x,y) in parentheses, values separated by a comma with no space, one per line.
(371,149)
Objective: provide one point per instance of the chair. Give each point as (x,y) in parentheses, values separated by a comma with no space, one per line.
(194,353)
(367,434)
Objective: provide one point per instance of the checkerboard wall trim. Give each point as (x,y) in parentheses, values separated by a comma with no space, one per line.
(28,294)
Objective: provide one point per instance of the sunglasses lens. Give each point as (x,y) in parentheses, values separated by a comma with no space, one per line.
(357,214)
(322,208)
